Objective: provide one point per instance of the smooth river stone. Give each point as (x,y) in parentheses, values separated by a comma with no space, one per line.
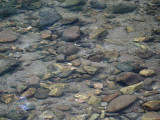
(121,103)
(125,66)
(128,78)
(7,36)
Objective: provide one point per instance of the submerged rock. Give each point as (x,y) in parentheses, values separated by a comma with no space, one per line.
(7,64)
(151,116)
(98,4)
(121,103)
(71,33)
(47,16)
(128,78)
(123,7)
(125,66)
(7,36)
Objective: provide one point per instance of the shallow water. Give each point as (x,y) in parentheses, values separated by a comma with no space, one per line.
(79,60)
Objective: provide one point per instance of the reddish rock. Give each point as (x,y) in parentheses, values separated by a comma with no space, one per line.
(71,34)
(110,97)
(128,78)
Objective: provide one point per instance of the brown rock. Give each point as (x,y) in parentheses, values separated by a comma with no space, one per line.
(7,36)
(72,57)
(46,34)
(151,105)
(110,97)
(144,54)
(128,78)
(76,62)
(71,34)
(121,103)
(151,116)
(29,93)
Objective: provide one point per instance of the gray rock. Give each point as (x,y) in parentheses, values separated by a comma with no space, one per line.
(68,50)
(121,103)
(33,81)
(41,93)
(60,58)
(98,4)
(125,66)
(123,7)
(71,34)
(48,16)
(7,64)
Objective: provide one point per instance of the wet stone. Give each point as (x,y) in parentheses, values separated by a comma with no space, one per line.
(47,16)
(46,115)
(68,50)
(56,92)
(33,81)
(76,62)
(90,69)
(151,105)
(71,34)
(128,78)
(63,107)
(132,88)
(145,54)
(60,58)
(125,66)
(98,4)
(41,93)
(7,64)
(110,97)
(69,20)
(46,34)
(29,93)
(72,3)
(94,116)
(94,100)
(123,7)
(147,72)
(8,36)
(121,103)
(151,116)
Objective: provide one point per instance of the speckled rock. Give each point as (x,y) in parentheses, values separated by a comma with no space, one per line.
(132,88)
(94,100)
(8,98)
(71,34)
(46,115)
(41,93)
(56,92)
(69,20)
(147,72)
(46,34)
(7,36)
(121,103)
(151,116)
(128,78)
(151,105)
